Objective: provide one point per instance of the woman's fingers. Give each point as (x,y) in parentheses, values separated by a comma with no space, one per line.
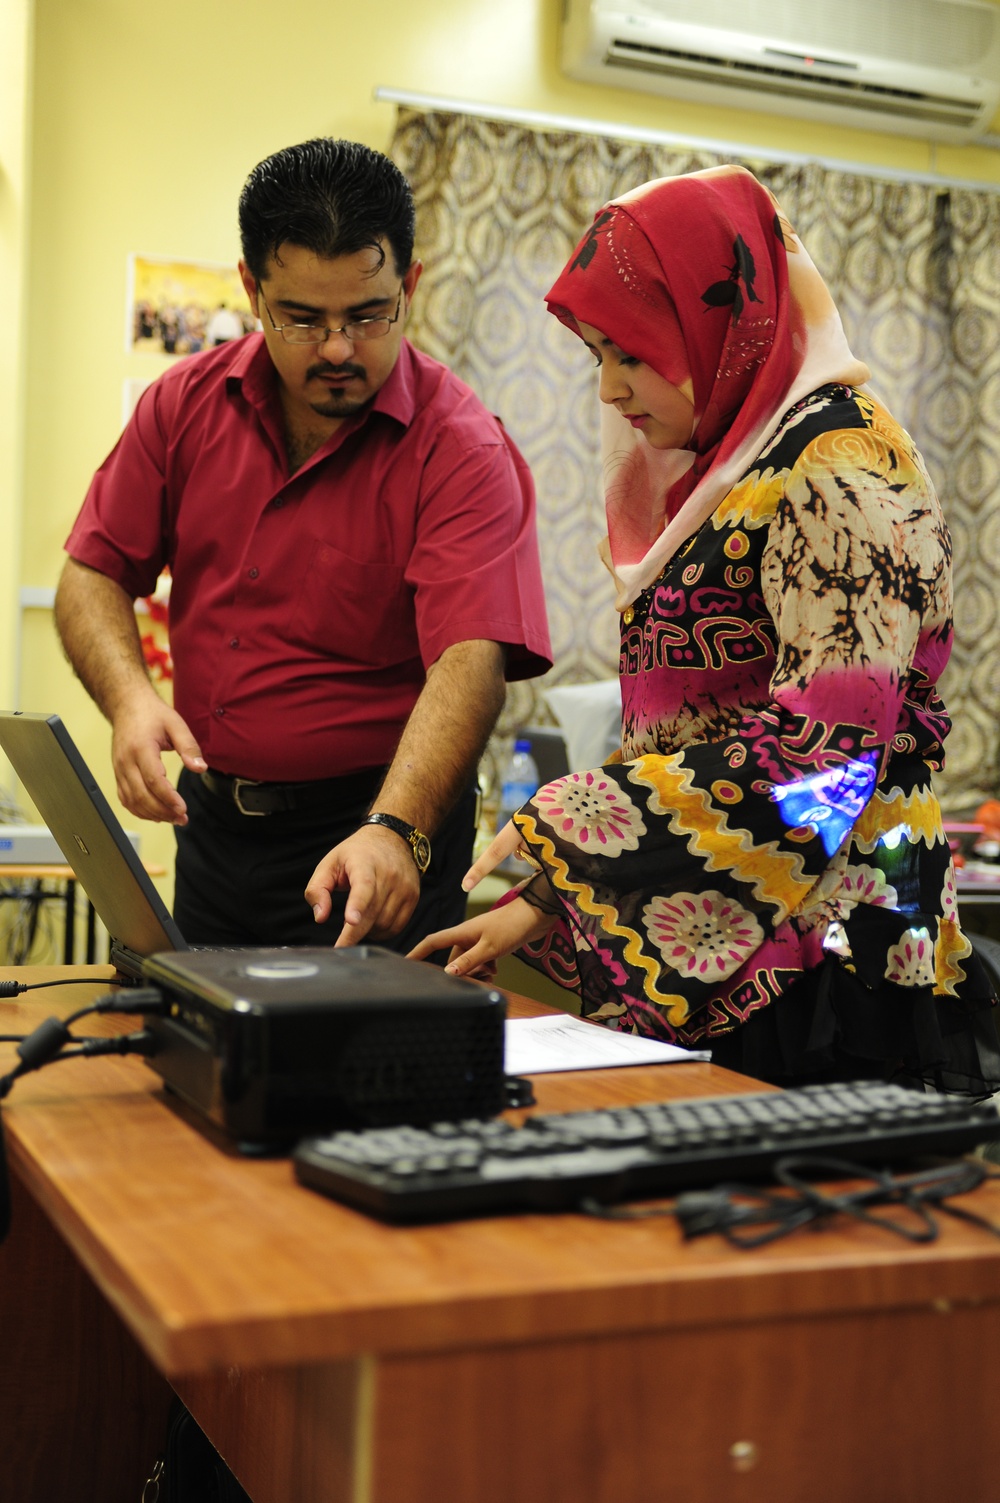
(471,962)
(472,952)
(503,846)
(444,939)
(481,941)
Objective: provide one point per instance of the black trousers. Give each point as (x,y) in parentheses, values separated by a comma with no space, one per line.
(240,879)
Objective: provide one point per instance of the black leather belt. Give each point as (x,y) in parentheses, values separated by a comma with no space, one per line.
(254,798)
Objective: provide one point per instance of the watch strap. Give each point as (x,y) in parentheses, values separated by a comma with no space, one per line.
(418,842)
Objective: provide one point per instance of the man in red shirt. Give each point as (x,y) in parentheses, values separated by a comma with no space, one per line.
(354,567)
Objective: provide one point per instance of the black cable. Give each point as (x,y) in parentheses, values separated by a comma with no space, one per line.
(34,902)
(15,988)
(147,999)
(734,1210)
(904,1191)
(143,1042)
(19,1038)
(31,923)
(46,1042)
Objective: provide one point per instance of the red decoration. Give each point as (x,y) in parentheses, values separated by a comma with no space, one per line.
(158,659)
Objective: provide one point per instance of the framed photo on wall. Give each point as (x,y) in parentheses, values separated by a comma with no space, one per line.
(181,307)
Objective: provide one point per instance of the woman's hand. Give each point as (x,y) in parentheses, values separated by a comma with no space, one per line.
(503,846)
(478,944)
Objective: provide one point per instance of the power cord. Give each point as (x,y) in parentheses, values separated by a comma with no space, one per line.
(144,1000)
(44,1045)
(48,1044)
(735,1210)
(15,988)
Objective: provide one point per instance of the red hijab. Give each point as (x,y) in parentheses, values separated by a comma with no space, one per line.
(700,277)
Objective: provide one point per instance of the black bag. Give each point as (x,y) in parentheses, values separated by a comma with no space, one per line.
(191,1469)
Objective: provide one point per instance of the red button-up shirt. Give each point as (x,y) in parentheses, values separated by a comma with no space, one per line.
(305,609)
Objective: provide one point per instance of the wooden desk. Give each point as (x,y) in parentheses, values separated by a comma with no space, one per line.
(556,1359)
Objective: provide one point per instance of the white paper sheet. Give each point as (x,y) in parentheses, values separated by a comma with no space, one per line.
(540,1046)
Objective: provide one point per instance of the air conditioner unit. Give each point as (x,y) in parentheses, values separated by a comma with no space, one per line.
(926,68)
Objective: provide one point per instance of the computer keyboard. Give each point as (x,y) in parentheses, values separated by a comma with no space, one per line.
(556,1160)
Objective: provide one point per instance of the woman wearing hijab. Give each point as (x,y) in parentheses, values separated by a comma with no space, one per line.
(765,873)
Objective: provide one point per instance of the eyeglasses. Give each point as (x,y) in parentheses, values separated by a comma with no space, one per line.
(359,328)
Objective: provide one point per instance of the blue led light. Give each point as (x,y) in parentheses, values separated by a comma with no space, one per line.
(831,800)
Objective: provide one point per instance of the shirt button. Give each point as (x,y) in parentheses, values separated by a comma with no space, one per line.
(253,572)
(278,503)
(628,615)
(234,641)
(220,709)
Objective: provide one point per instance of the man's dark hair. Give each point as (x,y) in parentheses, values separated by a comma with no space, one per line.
(333,198)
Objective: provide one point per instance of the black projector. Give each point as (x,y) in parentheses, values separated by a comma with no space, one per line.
(273,1044)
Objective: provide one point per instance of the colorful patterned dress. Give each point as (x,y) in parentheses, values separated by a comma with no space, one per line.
(773,813)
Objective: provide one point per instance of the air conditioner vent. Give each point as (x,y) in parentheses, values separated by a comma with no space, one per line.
(856,93)
(940,33)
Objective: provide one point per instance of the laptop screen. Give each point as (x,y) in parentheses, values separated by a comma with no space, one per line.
(87,831)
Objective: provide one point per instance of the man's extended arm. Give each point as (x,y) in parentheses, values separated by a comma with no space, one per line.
(435,761)
(96,622)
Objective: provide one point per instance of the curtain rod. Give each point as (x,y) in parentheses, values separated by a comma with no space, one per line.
(537,120)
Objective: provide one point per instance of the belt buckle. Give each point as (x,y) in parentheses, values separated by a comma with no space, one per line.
(238,785)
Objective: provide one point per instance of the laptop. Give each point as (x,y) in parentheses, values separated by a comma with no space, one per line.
(65,793)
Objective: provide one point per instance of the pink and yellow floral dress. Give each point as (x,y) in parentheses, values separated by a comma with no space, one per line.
(766,872)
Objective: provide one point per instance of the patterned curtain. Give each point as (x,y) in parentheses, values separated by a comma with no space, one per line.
(914,268)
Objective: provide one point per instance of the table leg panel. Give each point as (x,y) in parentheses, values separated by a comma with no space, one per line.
(289,1434)
(83,1412)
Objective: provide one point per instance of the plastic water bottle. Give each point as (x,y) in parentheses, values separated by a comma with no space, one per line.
(518,781)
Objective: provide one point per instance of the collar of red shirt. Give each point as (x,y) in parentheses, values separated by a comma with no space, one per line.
(253,370)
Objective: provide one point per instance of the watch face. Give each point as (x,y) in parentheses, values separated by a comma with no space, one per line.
(422,853)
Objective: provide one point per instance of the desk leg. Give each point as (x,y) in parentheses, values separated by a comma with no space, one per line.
(68,934)
(91,933)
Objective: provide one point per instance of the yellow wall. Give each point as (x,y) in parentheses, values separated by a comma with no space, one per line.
(15,113)
(145,119)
